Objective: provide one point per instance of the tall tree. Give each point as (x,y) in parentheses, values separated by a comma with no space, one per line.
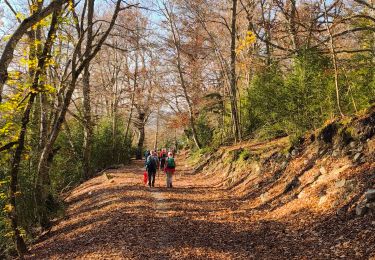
(333,55)
(35,88)
(233,75)
(176,41)
(88,125)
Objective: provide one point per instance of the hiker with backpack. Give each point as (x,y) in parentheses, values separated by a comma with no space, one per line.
(169,169)
(152,164)
(147,154)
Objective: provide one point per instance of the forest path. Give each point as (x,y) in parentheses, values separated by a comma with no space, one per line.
(120,218)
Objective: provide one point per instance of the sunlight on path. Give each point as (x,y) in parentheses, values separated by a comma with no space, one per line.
(161,211)
(160,205)
(120,218)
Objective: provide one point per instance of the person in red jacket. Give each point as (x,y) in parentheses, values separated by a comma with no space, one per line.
(169,169)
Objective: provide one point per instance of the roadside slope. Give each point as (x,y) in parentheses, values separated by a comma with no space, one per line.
(315,189)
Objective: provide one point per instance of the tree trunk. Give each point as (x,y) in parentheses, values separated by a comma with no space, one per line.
(292,24)
(135,85)
(157,130)
(130,116)
(176,42)
(43,134)
(334,58)
(267,28)
(175,140)
(20,243)
(193,129)
(141,139)
(114,132)
(233,76)
(38,191)
(88,126)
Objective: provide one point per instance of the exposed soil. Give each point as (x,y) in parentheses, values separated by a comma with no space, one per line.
(119,218)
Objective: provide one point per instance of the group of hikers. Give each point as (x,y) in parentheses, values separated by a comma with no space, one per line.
(159,160)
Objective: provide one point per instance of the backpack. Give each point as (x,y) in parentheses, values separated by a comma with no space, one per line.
(147,154)
(170,163)
(151,164)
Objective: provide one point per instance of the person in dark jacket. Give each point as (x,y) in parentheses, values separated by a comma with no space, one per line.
(163,157)
(152,164)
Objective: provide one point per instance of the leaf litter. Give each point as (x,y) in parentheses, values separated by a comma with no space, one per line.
(120,218)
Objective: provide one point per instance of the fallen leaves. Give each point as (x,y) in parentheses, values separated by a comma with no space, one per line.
(125,220)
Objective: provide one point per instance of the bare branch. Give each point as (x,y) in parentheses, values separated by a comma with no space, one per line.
(8,146)
(363,2)
(13,10)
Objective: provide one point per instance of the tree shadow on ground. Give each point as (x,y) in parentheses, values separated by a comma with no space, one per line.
(124,222)
(136,232)
(141,235)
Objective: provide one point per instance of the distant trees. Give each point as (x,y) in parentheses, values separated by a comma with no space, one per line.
(277,63)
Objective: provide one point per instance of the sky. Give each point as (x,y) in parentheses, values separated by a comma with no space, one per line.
(7,18)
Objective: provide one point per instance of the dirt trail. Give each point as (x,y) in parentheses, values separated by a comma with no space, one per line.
(119,218)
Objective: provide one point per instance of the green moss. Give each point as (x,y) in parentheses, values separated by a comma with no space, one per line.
(346,121)
(244,155)
(347,134)
(232,156)
(236,154)
(196,155)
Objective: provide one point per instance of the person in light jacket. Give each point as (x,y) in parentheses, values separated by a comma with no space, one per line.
(169,169)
